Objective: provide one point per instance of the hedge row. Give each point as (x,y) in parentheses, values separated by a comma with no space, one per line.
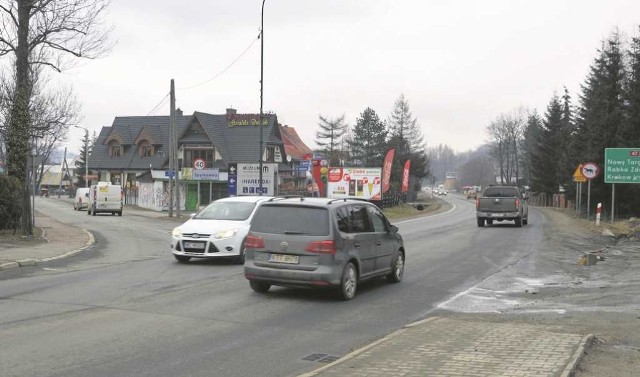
(10,199)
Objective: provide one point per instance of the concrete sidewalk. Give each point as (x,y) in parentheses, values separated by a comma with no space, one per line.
(439,346)
(436,346)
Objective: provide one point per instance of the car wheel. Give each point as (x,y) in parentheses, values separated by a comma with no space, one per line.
(525,221)
(480,222)
(119,213)
(398,269)
(182,258)
(259,286)
(489,222)
(349,282)
(518,222)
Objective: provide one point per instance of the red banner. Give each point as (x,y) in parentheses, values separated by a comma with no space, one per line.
(405,176)
(386,170)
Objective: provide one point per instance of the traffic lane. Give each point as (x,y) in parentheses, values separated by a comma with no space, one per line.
(455,254)
(206,314)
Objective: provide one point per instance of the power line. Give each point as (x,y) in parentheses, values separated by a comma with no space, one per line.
(158,105)
(226,68)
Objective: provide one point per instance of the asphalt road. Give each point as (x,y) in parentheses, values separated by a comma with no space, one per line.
(125,307)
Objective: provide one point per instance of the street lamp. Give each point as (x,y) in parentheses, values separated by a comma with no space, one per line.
(86,155)
(261,85)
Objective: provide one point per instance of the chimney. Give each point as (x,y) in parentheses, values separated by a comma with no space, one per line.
(231,112)
(179,112)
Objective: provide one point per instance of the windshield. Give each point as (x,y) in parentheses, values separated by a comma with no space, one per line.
(238,211)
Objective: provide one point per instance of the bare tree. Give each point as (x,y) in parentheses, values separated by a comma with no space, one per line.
(506,133)
(43,33)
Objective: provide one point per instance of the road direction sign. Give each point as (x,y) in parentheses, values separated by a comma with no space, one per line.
(622,165)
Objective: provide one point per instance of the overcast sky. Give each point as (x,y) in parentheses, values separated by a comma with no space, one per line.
(458,63)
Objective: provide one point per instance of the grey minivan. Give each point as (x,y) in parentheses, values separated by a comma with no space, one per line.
(321,242)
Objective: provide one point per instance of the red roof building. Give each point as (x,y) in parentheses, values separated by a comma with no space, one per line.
(293,145)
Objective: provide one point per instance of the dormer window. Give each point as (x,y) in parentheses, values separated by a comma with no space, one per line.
(145,148)
(115,149)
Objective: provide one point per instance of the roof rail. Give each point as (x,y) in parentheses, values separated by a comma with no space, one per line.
(282,197)
(345,199)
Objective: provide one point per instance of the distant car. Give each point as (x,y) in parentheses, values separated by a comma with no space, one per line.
(59,191)
(321,243)
(442,192)
(217,231)
(81,200)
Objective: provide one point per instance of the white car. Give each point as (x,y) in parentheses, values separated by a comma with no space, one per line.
(217,231)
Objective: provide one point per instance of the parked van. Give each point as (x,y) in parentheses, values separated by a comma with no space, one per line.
(105,197)
(81,200)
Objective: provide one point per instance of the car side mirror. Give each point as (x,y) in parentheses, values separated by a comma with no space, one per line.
(393,229)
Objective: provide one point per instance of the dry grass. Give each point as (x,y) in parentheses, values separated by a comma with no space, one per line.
(7,238)
(406,210)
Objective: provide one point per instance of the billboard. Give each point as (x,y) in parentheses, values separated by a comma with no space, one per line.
(363,183)
(247,179)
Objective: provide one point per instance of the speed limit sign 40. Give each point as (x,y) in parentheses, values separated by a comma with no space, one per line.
(199,164)
(590,170)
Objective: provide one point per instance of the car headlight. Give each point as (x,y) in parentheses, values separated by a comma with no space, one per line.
(225,233)
(176,232)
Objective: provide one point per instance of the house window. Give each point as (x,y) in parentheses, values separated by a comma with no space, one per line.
(146,149)
(270,154)
(115,149)
(207,154)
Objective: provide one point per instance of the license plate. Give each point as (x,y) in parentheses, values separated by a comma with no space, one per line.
(497,215)
(284,258)
(194,245)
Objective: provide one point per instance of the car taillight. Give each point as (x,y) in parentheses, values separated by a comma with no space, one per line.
(321,247)
(517,203)
(254,242)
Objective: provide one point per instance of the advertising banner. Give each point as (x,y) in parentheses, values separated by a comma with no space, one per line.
(363,183)
(405,176)
(386,170)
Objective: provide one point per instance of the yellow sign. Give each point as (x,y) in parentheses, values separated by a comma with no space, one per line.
(578,176)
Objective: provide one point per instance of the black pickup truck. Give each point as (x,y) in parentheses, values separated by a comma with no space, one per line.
(500,203)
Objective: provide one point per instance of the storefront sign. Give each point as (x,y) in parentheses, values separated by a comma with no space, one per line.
(206,175)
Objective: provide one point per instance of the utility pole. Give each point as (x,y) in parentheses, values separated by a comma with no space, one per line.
(86,158)
(176,163)
(261,87)
(172,169)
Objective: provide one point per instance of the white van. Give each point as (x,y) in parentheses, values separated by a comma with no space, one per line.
(105,197)
(81,200)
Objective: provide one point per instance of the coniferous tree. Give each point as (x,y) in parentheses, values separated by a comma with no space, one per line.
(407,140)
(368,141)
(531,162)
(81,162)
(600,118)
(631,131)
(329,136)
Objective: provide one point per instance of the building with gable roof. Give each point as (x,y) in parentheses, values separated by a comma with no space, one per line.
(134,152)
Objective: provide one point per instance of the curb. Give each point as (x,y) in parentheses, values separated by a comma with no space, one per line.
(33,262)
(90,242)
(357,352)
(585,343)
